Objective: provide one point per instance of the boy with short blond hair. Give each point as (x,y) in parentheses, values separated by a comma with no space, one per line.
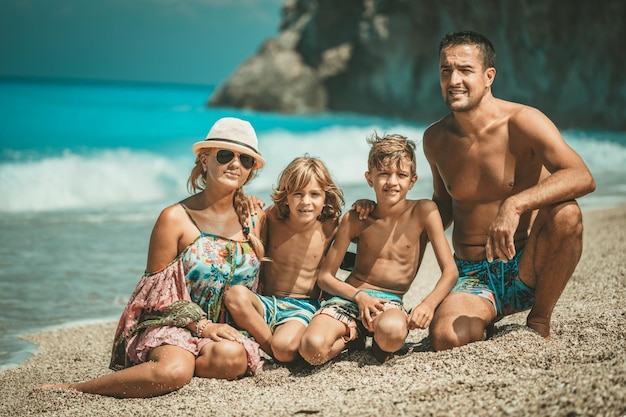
(390,247)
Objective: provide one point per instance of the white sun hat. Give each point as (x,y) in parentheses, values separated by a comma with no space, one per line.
(233,134)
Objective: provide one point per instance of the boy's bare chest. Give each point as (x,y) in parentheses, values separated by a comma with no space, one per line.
(308,246)
(387,239)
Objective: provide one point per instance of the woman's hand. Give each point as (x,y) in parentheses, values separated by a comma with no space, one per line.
(221,331)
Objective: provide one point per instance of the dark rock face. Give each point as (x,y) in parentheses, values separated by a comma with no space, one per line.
(381,57)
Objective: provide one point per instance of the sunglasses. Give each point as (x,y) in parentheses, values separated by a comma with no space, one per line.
(223,157)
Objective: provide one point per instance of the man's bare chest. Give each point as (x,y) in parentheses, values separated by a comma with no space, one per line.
(479,172)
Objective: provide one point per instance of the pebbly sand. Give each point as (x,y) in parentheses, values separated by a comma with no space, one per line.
(580,372)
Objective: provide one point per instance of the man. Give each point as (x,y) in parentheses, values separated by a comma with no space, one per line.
(506,178)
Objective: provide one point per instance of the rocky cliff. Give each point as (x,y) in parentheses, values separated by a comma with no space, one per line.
(381,57)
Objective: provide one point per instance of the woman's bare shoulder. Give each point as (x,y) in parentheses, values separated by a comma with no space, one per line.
(172,213)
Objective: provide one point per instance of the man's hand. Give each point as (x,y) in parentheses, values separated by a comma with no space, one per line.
(501,239)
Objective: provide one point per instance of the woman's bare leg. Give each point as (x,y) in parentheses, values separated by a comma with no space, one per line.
(168,369)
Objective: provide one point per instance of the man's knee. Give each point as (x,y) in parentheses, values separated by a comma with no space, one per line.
(462,330)
(443,337)
(566,219)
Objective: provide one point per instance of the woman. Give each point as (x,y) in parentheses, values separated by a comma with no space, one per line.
(174,326)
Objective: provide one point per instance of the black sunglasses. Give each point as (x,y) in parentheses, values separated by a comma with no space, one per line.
(223,157)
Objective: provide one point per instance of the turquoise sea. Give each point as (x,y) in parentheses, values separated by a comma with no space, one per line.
(85,168)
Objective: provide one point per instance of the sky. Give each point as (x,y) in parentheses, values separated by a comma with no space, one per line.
(175,41)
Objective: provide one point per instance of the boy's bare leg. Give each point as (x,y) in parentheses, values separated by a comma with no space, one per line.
(390,331)
(551,255)
(322,340)
(286,340)
(247,311)
(168,369)
(461,318)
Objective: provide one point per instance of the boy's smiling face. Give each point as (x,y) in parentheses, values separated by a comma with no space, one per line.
(392,181)
(306,205)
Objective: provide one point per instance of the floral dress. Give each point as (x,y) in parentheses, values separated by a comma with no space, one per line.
(199,276)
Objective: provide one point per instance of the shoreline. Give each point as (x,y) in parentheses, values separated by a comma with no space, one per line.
(581,371)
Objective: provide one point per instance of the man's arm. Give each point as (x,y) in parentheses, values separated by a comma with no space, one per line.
(440,193)
(570,179)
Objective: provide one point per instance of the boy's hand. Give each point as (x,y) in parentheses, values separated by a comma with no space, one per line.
(420,317)
(364,207)
(254,204)
(369,308)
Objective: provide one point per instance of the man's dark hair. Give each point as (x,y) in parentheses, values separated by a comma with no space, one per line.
(469,37)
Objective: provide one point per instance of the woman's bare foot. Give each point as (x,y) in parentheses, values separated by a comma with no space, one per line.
(46,387)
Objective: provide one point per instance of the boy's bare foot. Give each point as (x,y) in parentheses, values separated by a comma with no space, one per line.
(356,344)
(380,355)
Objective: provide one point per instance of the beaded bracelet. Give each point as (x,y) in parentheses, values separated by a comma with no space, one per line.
(354,296)
(200,328)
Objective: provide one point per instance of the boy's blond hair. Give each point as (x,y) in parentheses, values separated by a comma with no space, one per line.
(297,175)
(389,150)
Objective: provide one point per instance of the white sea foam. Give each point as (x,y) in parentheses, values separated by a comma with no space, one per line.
(113,177)
(107,178)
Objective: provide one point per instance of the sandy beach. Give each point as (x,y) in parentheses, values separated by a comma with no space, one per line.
(580,372)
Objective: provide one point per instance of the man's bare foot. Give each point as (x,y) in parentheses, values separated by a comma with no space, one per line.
(540,325)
